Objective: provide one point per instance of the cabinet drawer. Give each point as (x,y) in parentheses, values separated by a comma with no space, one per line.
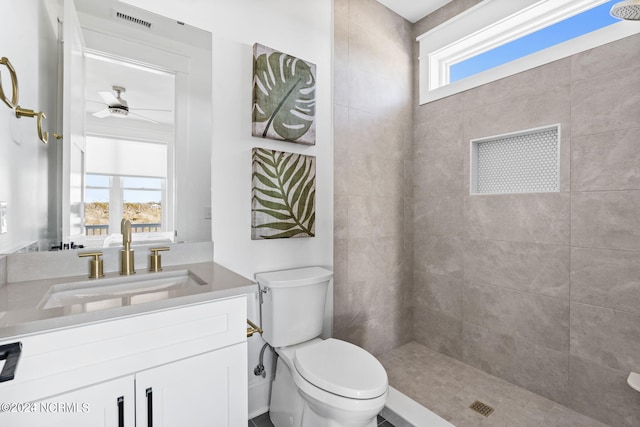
(62,360)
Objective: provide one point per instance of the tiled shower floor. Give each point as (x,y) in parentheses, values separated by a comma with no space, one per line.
(447,387)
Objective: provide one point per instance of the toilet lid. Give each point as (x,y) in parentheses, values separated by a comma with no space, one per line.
(342,368)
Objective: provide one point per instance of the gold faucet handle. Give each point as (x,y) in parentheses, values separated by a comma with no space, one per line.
(95,265)
(155,261)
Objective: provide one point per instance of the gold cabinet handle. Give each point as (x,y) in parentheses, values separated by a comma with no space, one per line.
(95,265)
(13,102)
(155,261)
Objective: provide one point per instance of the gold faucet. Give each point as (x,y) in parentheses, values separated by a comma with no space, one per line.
(95,265)
(127,266)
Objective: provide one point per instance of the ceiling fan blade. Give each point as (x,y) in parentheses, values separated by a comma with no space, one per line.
(109,99)
(94,101)
(150,109)
(102,113)
(143,117)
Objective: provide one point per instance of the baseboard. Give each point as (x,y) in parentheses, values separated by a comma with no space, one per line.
(259,394)
(402,411)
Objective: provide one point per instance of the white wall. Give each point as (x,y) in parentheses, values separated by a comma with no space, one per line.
(299,28)
(29,41)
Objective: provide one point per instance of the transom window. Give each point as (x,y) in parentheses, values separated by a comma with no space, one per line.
(499,38)
(567,29)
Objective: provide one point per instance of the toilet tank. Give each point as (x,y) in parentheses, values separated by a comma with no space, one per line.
(293,304)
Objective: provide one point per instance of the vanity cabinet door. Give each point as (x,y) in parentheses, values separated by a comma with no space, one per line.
(205,390)
(108,404)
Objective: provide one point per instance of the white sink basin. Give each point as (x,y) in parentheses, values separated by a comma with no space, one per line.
(100,294)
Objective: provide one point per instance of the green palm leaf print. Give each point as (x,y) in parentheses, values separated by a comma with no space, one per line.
(283,195)
(284,96)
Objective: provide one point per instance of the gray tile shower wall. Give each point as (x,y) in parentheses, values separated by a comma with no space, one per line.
(542,290)
(373,135)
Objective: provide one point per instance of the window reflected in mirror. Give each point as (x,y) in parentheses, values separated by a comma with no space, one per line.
(126,179)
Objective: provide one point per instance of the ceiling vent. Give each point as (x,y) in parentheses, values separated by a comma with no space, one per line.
(131,19)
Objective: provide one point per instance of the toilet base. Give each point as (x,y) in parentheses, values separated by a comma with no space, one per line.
(288,407)
(285,407)
(314,416)
(311,419)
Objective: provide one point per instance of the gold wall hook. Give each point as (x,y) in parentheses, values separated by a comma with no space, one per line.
(13,102)
(44,137)
(25,112)
(22,112)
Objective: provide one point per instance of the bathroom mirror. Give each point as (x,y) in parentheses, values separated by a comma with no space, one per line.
(137,126)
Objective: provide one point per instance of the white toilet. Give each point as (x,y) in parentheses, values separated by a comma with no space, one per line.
(319,383)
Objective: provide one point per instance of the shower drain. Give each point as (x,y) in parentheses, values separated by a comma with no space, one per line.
(481,408)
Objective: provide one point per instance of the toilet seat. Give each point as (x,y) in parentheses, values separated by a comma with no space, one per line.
(337,367)
(341,368)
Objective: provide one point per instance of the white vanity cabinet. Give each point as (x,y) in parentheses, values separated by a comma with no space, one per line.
(182,366)
(110,403)
(174,398)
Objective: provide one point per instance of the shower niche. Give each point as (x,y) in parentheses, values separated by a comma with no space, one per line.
(526,161)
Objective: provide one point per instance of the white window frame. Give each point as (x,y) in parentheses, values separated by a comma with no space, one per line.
(116,191)
(492,23)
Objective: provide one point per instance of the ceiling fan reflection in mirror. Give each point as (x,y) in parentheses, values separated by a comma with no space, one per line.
(116,106)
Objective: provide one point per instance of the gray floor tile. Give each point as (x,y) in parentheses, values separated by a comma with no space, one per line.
(262,420)
(448,387)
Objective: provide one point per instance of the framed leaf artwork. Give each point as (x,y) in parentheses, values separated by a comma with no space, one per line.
(283,195)
(284,96)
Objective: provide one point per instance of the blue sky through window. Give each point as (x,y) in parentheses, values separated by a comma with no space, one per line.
(96,180)
(583,23)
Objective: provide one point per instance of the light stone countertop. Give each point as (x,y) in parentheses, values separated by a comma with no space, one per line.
(19,301)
